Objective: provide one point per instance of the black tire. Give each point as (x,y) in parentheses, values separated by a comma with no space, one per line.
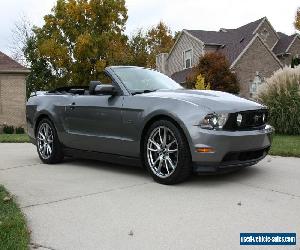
(183,169)
(57,155)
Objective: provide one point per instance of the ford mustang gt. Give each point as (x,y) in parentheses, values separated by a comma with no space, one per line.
(139,116)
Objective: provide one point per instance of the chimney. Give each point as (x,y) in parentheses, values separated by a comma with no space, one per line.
(161,63)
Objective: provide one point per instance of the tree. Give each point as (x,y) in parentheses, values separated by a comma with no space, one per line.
(215,68)
(80,38)
(20,34)
(40,77)
(138,47)
(297,20)
(200,83)
(160,40)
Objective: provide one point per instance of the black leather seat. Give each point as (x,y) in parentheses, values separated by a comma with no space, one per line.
(92,87)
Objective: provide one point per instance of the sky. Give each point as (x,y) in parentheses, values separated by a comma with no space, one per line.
(177,14)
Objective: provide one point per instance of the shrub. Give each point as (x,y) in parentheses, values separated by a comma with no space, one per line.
(8,129)
(281,93)
(20,130)
(215,68)
(200,83)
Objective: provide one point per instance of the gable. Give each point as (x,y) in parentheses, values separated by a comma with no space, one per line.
(7,64)
(294,46)
(267,33)
(259,58)
(184,42)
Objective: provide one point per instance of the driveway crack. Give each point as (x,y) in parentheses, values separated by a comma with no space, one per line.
(87,195)
(268,189)
(34,245)
(23,166)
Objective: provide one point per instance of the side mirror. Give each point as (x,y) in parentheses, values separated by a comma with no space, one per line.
(105,89)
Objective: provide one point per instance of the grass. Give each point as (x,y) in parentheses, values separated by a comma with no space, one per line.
(283,145)
(286,145)
(19,138)
(13,230)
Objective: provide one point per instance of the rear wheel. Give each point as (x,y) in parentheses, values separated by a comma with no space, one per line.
(166,153)
(48,146)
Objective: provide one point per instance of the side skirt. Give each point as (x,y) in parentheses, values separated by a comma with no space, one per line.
(112,158)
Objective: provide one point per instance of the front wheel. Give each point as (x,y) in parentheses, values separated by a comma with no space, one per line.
(48,145)
(166,153)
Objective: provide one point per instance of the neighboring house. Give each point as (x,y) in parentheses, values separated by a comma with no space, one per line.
(254,52)
(12,92)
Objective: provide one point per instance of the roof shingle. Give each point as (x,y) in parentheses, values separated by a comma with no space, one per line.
(233,40)
(8,64)
(283,43)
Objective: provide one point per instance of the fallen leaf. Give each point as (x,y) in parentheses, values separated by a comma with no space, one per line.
(239,203)
(7,198)
(131,233)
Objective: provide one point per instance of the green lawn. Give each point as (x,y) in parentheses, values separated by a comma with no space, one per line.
(13,230)
(285,145)
(14,138)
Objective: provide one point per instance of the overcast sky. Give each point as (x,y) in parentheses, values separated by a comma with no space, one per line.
(178,14)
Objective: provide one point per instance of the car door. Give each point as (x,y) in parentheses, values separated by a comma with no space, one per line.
(92,122)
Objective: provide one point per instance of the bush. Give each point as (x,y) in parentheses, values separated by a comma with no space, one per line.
(281,93)
(8,129)
(215,68)
(20,130)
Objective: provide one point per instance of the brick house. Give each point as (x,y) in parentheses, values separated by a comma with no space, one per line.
(12,92)
(254,51)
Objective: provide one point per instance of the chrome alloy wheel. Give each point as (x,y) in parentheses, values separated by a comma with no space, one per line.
(45,141)
(162,152)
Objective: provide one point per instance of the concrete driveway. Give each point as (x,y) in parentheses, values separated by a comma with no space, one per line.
(93,205)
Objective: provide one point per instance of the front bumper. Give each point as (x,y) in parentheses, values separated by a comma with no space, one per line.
(232,150)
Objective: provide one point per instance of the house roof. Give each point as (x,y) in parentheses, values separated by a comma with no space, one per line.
(7,64)
(230,41)
(283,43)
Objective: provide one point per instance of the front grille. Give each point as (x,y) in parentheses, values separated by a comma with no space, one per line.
(249,120)
(245,155)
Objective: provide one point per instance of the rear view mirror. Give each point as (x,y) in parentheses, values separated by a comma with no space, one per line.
(105,89)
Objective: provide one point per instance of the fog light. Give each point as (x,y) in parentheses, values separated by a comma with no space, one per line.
(205,150)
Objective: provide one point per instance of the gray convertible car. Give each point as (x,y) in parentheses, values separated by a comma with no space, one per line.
(139,116)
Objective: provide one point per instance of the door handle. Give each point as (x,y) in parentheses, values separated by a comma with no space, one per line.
(72,106)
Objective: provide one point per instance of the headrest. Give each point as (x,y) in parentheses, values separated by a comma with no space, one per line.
(92,87)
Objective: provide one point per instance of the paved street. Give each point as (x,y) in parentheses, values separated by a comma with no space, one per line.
(83,204)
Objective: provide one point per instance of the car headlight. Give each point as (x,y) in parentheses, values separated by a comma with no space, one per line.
(214,121)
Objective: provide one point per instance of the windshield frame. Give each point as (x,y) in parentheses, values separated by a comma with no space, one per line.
(141,91)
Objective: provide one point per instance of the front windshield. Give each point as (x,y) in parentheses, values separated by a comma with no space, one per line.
(140,80)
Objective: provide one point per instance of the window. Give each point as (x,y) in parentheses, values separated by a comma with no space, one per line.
(257,81)
(264,34)
(187,59)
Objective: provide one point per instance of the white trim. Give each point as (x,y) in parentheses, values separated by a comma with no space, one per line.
(248,46)
(189,34)
(261,23)
(288,48)
(183,58)
(275,44)
(17,71)
(177,40)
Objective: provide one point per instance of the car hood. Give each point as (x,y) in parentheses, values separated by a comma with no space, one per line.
(212,100)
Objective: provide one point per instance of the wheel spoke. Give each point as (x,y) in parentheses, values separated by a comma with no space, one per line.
(171,163)
(159,165)
(166,165)
(173,150)
(171,143)
(165,137)
(155,144)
